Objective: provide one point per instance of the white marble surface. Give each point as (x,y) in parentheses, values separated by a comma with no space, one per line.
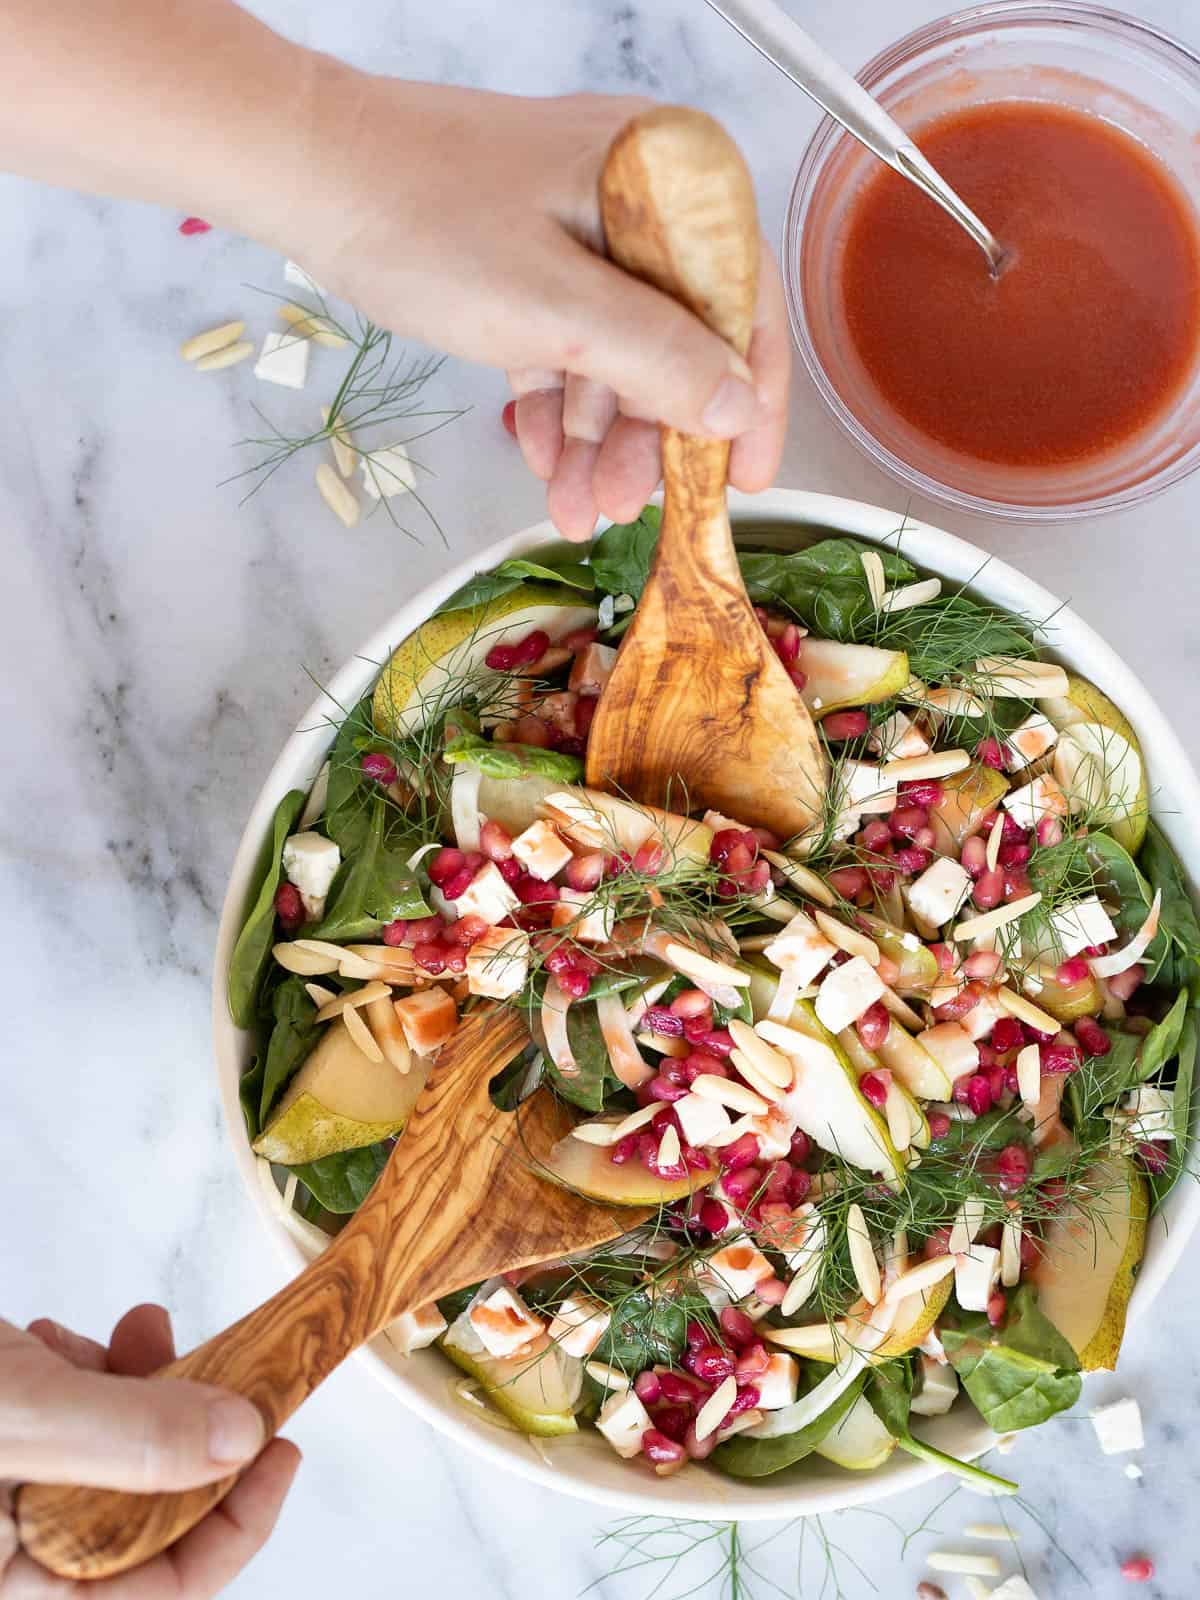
(153,634)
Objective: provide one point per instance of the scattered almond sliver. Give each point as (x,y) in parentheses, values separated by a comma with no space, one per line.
(1016,678)
(1025,1011)
(361,1034)
(912,594)
(700,967)
(977,927)
(608,1377)
(950,701)
(669,1151)
(919,1278)
(850,940)
(967,1223)
(1029,1074)
(758,1081)
(318,994)
(716,1408)
(876,577)
(940,764)
(312,325)
(228,357)
(802,878)
(336,495)
(771,1063)
(351,1000)
(731,1134)
(953,1561)
(862,1254)
(207,344)
(734,1096)
(993,844)
(344,454)
(309,958)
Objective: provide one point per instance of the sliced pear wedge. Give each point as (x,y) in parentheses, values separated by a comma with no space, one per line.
(914,1318)
(1102,773)
(1067,1001)
(860,1442)
(538,1392)
(848,674)
(966,797)
(913,1066)
(588,1169)
(918,964)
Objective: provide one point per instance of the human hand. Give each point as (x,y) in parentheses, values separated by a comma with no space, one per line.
(472,221)
(72,1412)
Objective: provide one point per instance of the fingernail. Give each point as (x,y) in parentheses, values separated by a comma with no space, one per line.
(235,1430)
(732,409)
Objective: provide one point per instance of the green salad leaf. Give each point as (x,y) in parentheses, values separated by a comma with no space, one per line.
(293,1038)
(744,1457)
(647,1328)
(1177,915)
(825,586)
(622,554)
(1134,1058)
(1161,1183)
(1017,1376)
(949,635)
(373,887)
(250,1094)
(513,760)
(340,1183)
(595,1080)
(485,586)
(890,1390)
(347,818)
(1129,897)
(252,953)
(573,573)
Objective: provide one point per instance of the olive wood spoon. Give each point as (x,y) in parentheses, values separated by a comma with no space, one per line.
(460,1200)
(698,696)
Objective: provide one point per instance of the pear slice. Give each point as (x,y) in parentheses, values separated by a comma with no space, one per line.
(451,647)
(914,1318)
(515,803)
(1089,1261)
(340,1099)
(587,1169)
(917,963)
(538,1392)
(1067,1001)
(860,1441)
(826,1103)
(913,1066)
(1101,772)
(848,674)
(1083,702)
(966,797)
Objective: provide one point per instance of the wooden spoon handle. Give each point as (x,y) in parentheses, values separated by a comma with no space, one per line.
(679,212)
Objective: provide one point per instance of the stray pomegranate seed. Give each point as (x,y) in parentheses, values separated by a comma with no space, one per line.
(907,820)
(713,1216)
(1092,1037)
(911,859)
(1013,1166)
(989,754)
(717,1041)
(430,957)
(960,1004)
(624,1150)
(442,866)
(747,1398)
(712,1363)
(695,1335)
(974,856)
(1059,1056)
(876,836)
(456,958)
(723,841)
(649,858)
(503,658)
(845,725)
(532,647)
(495,841)
(1008,1034)
(289,907)
(1049,831)
(378,767)
(509,417)
(467,930)
(753,1363)
(661,1087)
(737,1327)
(801,1146)
(194,225)
(983,965)
(575,983)
(1138,1570)
(849,882)
(740,1185)
(799,678)
(659,1449)
(530,891)
(979,1094)
(647,1387)
(1152,1156)
(1124,984)
(703,1062)
(927,792)
(1074,970)
(997,1308)
(939,1124)
(661,1019)
(511,871)
(874,1089)
(989,889)
(771,1291)
(937,1244)
(691,1003)
(787,646)
(674,1421)
(699,1449)
(874,1025)
(681,1389)
(584,872)
(458,884)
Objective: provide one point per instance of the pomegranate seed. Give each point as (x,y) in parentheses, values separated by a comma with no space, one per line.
(456,958)
(747,1398)
(699,1449)
(289,907)
(194,225)
(766,840)
(696,1335)
(1124,984)
(849,882)
(974,856)
(675,1071)
(775,1187)
(458,884)
(661,1087)
(713,1217)
(509,417)
(703,1062)
(445,864)
(584,872)
(378,767)
(723,841)
(1013,1166)
(752,1363)
(624,1150)
(737,1327)
(647,1387)
(1074,970)
(1140,1569)
(502,658)
(1049,831)
(876,836)
(511,871)
(799,1185)
(716,1041)
(691,1003)
(983,965)
(907,820)
(989,889)
(931,1591)
(937,1244)
(662,1020)
(532,647)
(801,1146)
(1152,1156)
(771,1291)
(989,754)
(575,983)
(680,1389)
(1092,1037)
(939,1124)
(430,957)
(1031,1251)
(531,891)
(927,792)
(787,646)
(649,858)
(713,1364)
(674,1421)
(1008,1034)
(946,957)
(911,859)
(739,1185)
(659,1449)
(467,930)
(997,1309)
(846,725)
(874,1089)
(495,841)
(799,678)
(1060,1056)
(979,1094)
(963,1002)
(874,1025)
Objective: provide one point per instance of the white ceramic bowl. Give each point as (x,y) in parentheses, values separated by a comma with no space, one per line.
(583,1465)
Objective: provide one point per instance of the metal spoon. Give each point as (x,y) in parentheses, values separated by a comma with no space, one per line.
(784,43)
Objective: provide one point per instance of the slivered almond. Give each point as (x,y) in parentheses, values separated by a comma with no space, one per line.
(230,356)
(608,1133)
(731,1134)
(950,701)
(977,927)
(917,1279)
(294,956)
(862,1254)
(312,325)
(1029,1074)
(901,1010)
(318,994)
(952,1561)
(387,957)
(757,1080)
(773,1066)
(607,1377)
(352,999)
(1025,1011)
(1015,678)
(734,1096)
(361,1034)
(669,1152)
(912,594)
(967,1223)
(993,844)
(336,495)
(344,454)
(872,564)
(694,965)
(939,764)
(802,878)
(811,1336)
(1010,1250)
(850,940)
(716,1408)
(385,1029)
(206,344)
(990,1530)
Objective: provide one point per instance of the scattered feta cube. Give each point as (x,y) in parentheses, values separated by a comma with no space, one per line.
(939,891)
(579,1325)
(802,948)
(1153,1112)
(592,669)
(487,896)
(502,1321)
(976,1276)
(1014,1588)
(898,738)
(294,273)
(846,992)
(541,851)
(310,861)
(623,1420)
(498,963)
(983,1016)
(864,792)
(1041,798)
(952,1047)
(283,359)
(773,1130)
(1028,742)
(938,1391)
(387,472)
(737,1268)
(1080,924)
(701,1120)
(1119,1427)
(428,1017)
(592,927)
(777,1385)
(413,1330)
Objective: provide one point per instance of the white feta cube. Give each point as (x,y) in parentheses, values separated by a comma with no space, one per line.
(898,738)
(976,1276)
(579,1325)
(413,1330)
(541,851)
(1041,798)
(983,1016)
(773,1130)
(293,272)
(1081,924)
(1014,1588)
(623,1420)
(502,1321)
(802,948)
(777,1385)
(939,891)
(283,359)
(938,1391)
(592,669)
(846,992)
(1119,1427)
(1030,741)
(498,963)
(590,927)
(864,792)
(310,861)
(737,1269)
(387,472)
(952,1047)
(487,896)
(1153,1112)
(701,1120)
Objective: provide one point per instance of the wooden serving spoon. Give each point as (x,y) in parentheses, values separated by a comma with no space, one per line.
(458,1201)
(698,696)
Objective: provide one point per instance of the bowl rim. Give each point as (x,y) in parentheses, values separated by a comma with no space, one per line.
(705,1496)
(960,25)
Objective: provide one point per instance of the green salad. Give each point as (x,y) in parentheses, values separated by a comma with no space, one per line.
(903,1091)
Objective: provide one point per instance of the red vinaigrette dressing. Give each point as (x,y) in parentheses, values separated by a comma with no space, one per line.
(1091,330)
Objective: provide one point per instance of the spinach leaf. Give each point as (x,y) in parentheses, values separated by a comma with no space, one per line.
(1019,1377)
(485,586)
(646,1328)
(348,798)
(342,1182)
(1133,1058)
(518,1080)
(889,1389)
(951,633)
(1162,1042)
(477,591)
(374,887)
(250,1093)
(621,556)
(595,1080)
(252,952)
(293,1037)
(453,1305)
(1177,915)
(824,586)
(1161,1183)
(513,760)
(573,573)
(743,1457)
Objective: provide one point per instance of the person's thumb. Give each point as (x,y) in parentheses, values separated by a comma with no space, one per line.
(663,362)
(62,1425)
